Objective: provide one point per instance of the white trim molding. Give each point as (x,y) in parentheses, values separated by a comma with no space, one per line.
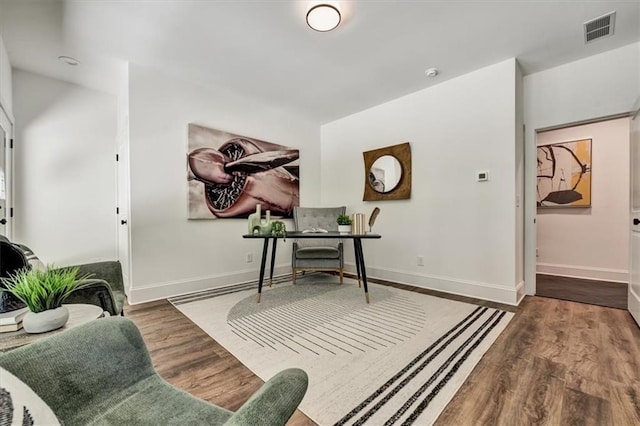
(475,289)
(478,290)
(584,272)
(634,304)
(520,292)
(168,289)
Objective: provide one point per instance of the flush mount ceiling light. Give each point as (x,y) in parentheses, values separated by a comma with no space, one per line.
(69,60)
(323,17)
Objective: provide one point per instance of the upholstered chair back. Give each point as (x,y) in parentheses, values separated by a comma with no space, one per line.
(317,217)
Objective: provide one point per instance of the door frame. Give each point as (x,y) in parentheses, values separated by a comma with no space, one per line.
(633,297)
(530,208)
(7,124)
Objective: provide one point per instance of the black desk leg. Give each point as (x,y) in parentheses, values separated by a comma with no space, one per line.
(357,264)
(265,248)
(273,260)
(357,242)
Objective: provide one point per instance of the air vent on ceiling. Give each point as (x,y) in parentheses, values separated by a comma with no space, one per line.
(602,26)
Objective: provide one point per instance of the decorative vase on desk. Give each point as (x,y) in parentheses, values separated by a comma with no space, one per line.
(266,224)
(254,220)
(44,291)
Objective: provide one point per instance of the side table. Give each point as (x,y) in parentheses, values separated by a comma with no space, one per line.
(78,314)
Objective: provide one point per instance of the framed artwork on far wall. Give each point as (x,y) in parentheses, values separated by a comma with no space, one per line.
(229,174)
(564,174)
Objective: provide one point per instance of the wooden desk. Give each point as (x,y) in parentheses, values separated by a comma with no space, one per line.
(78,314)
(357,247)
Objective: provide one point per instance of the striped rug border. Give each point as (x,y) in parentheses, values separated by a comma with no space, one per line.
(441,344)
(228,289)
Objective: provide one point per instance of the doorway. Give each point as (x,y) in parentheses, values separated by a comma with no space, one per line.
(582,237)
(5,174)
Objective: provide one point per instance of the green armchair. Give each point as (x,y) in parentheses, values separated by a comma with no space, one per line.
(105,287)
(100,373)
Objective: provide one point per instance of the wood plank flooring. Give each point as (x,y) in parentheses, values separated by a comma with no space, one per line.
(602,293)
(556,363)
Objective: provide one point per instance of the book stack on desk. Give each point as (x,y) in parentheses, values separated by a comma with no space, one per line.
(358,224)
(12,320)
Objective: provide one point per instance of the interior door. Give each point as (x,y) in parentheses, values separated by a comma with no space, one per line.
(123,210)
(634,237)
(3,181)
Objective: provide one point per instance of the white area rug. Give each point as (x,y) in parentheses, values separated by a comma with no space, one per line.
(398,360)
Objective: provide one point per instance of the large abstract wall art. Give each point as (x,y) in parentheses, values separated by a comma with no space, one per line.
(229,174)
(564,174)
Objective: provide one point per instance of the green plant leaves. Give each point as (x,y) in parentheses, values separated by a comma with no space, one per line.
(343,219)
(43,290)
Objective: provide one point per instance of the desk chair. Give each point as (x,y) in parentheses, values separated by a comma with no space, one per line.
(317,254)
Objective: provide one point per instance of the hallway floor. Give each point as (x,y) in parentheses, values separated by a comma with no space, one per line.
(602,293)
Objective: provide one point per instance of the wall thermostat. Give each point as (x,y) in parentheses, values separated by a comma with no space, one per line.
(483,176)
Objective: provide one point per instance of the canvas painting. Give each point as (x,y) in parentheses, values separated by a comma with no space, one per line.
(564,174)
(229,174)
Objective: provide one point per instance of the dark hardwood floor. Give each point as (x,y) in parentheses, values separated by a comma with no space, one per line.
(602,293)
(556,363)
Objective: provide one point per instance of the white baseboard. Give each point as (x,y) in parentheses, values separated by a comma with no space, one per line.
(479,290)
(520,292)
(475,289)
(634,305)
(584,272)
(175,288)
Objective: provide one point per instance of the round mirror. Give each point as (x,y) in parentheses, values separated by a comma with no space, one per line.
(385,174)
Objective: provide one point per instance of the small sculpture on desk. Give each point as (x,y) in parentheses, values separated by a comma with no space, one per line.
(265,224)
(372,218)
(254,220)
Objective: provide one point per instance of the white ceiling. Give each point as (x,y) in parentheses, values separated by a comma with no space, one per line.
(264,49)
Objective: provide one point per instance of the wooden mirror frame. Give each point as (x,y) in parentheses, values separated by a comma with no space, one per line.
(402,191)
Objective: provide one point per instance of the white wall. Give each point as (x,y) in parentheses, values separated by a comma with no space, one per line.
(598,86)
(172,255)
(591,243)
(464,229)
(6,93)
(64,170)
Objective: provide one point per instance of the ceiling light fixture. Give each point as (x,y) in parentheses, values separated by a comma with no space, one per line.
(69,60)
(323,17)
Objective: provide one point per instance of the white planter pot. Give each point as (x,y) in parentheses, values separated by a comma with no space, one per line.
(42,322)
(344,229)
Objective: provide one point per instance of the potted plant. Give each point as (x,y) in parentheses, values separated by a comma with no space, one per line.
(344,224)
(44,291)
(278,229)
